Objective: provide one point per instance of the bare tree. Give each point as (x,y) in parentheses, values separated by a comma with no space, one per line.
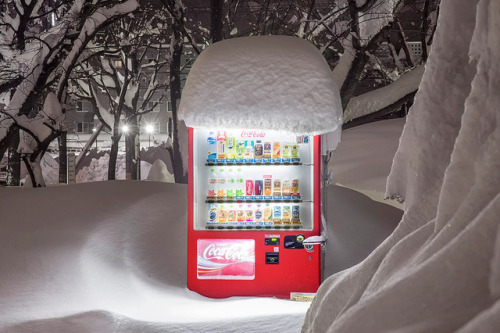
(41,43)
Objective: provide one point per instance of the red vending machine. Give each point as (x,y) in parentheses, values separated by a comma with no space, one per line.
(254,197)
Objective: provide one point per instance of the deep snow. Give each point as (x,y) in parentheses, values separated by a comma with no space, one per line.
(113,257)
(438,271)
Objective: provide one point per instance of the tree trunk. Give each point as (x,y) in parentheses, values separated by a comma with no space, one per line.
(14,163)
(216,25)
(34,168)
(113,154)
(131,153)
(175,97)
(63,158)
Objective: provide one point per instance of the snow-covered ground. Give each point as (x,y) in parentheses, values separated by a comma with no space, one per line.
(111,256)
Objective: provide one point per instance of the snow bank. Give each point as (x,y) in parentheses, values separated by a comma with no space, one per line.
(160,173)
(438,271)
(111,256)
(266,82)
(372,143)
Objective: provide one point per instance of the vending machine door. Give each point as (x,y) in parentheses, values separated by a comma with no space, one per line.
(254,197)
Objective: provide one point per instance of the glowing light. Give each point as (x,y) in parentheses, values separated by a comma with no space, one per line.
(125,128)
(150,128)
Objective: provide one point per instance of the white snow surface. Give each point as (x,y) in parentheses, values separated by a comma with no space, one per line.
(111,256)
(264,82)
(438,271)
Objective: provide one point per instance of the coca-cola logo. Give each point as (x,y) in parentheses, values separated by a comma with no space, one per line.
(252,134)
(233,252)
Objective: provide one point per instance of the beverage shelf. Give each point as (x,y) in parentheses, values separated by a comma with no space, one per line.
(257,200)
(254,162)
(258,227)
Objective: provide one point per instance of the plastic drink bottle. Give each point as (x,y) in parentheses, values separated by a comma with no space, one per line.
(259,215)
(230,191)
(231,214)
(221,145)
(221,185)
(212,147)
(240,183)
(249,149)
(230,148)
(222,214)
(212,184)
(212,213)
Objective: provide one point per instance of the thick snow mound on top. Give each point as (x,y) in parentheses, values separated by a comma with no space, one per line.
(439,270)
(266,82)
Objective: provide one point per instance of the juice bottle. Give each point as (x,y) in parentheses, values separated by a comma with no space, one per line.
(222,214)
(240,215)
(231,214)
(221,145)
(249,214)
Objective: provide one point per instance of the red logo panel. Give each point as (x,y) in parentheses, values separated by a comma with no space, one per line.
(226,259)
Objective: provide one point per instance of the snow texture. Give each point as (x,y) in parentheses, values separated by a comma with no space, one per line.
(159,173)
(264,82)
(378,99)
(438,271)
(111,257)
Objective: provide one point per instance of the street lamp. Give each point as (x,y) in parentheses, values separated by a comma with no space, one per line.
(149,129)
(125,128)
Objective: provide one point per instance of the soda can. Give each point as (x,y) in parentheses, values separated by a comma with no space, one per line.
(212,213)
(259,184)
(286,215)
(295,187)
(277,215)
(276,150)
(277,187)
(268,150)
(268,186)
(295,214)
(259,150)
(249,187)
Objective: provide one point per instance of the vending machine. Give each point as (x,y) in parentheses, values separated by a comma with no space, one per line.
(254,197)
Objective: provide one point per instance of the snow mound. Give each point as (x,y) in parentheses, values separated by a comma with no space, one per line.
(160,173)
(438,271)
(266,82)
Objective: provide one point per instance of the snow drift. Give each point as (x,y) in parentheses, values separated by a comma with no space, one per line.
(111,256)
(438,271)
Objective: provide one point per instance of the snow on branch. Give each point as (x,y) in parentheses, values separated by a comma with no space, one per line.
(376,100)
